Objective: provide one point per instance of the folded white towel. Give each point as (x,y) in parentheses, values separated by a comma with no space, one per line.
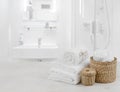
(67,73)
(68,70)
(75,69)
(59,75)
(61,79)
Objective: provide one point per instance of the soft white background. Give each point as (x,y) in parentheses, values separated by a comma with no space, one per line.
(3,30)
(4,21)
(29,76)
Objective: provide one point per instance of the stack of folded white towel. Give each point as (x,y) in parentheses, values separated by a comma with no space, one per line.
(68,70)
(102,56)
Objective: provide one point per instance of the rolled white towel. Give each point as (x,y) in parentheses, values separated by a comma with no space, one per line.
(69,57)
(59,75)
(74,56)
(86,62)
(108,59)
(83,55)
(100,55)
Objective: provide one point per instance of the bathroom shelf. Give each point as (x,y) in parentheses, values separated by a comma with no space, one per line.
(39,25)
(40,20)
(39,29)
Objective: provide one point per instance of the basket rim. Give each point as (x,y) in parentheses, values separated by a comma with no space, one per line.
(104,63)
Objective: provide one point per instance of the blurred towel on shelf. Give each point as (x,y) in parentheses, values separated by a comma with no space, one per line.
(63,76)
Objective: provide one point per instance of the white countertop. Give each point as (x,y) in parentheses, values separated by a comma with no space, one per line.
(31,76)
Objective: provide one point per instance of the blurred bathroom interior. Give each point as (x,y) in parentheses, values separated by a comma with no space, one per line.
(34,34)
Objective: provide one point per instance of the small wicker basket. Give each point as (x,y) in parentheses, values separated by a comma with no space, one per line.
(106,71)
(88,76)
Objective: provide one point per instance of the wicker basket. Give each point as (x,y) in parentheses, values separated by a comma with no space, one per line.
(88,76)
(106,71)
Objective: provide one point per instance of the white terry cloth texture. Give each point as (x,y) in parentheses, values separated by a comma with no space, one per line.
(70,58)
(69,67)
(67,73)
(63,76)
(102,56)
(83,55)
(108,59)
(74,56)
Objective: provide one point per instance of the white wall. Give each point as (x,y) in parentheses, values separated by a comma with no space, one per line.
(82,35)
(64,11)
(4,42)
(3,30)
(114,15)
(116,28)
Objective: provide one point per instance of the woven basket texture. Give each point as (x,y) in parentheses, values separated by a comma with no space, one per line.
(88,76)
(105,71)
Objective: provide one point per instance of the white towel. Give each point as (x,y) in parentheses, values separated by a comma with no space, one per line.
(103,56)
(75,69)
(74,56)
(67,73)
(100,55)
(86,62)
(108,59)
(59,75)
(68,70)
(69,58)
(83,55)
